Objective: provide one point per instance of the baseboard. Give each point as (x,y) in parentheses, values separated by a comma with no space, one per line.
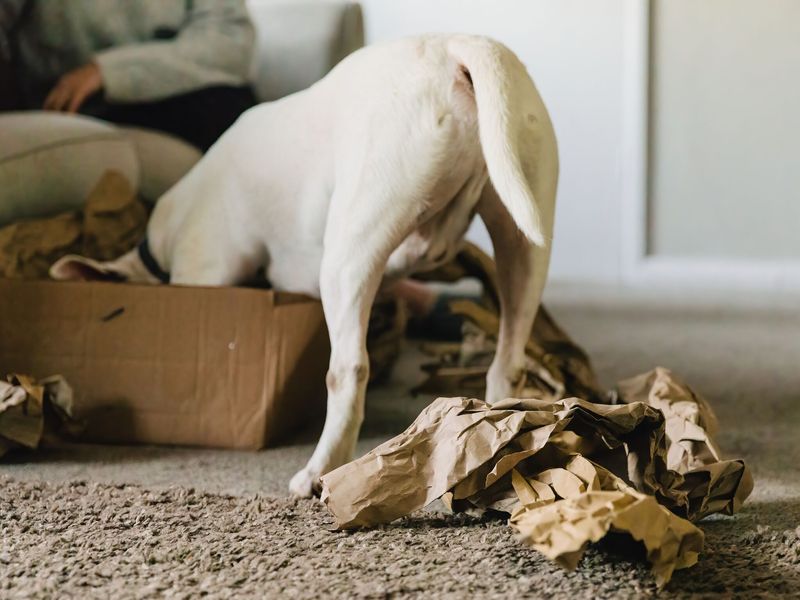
(746,274)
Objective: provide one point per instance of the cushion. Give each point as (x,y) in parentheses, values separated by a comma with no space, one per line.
(299,41)
(49,162)
(163,160)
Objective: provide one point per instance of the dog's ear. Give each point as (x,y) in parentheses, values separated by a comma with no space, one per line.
(79,268)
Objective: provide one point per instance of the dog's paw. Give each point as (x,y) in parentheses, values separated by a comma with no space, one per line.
(305,484)
(503,382)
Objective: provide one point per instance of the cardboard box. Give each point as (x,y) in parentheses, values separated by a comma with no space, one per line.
(220,367)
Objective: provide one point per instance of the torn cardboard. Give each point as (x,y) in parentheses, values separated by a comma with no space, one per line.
(218,367)
(561,455)
(29,410)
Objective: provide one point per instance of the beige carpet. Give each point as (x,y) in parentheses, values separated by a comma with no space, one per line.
(219,523)
(99,541)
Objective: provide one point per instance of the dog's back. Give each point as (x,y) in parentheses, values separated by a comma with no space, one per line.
(262,195)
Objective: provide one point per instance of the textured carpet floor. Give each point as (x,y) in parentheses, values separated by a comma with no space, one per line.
(125,542)
(216,523)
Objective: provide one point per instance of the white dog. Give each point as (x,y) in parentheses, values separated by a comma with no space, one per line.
(369,175)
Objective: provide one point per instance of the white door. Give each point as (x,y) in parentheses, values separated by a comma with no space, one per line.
(723,177)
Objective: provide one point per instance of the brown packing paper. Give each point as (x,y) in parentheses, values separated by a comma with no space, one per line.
(28,409)
(556,367)
(114,219)
(467,453)
(111,223)
(689,420)
(562,529)
(702,482)
(28,248)
(379,488)
(464,446)
(561,510)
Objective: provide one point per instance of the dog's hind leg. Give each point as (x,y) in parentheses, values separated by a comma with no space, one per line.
(367,225)
(521,274)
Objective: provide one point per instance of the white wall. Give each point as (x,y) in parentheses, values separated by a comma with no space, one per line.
(574,51)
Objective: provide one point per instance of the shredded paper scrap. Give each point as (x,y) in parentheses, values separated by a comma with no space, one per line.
(30,410)
(567,472)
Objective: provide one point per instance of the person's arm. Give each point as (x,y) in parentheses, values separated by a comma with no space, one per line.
(213,47)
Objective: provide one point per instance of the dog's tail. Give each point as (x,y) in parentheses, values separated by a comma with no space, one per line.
(502,89)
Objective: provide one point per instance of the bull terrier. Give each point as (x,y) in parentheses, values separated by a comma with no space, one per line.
(373,173)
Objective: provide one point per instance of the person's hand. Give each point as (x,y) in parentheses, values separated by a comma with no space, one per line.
(74,88)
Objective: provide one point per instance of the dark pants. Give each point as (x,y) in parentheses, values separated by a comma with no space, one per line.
(198,117)
(9,98)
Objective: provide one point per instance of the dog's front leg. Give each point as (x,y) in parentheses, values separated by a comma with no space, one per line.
(346,297)
(521,275)
(353,265)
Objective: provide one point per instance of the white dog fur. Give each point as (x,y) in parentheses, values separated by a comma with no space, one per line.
(371,174)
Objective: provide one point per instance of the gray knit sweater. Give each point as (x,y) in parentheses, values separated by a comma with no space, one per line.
(146,49)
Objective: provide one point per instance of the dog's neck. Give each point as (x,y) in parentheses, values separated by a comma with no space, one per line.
(150,263)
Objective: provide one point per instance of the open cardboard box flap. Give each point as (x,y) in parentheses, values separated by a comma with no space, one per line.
(219,367)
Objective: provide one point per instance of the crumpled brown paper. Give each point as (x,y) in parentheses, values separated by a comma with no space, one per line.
(561,510)
(556,367)
(30,410)
(112,222)
(581,469)
(704,483)
(690,422)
